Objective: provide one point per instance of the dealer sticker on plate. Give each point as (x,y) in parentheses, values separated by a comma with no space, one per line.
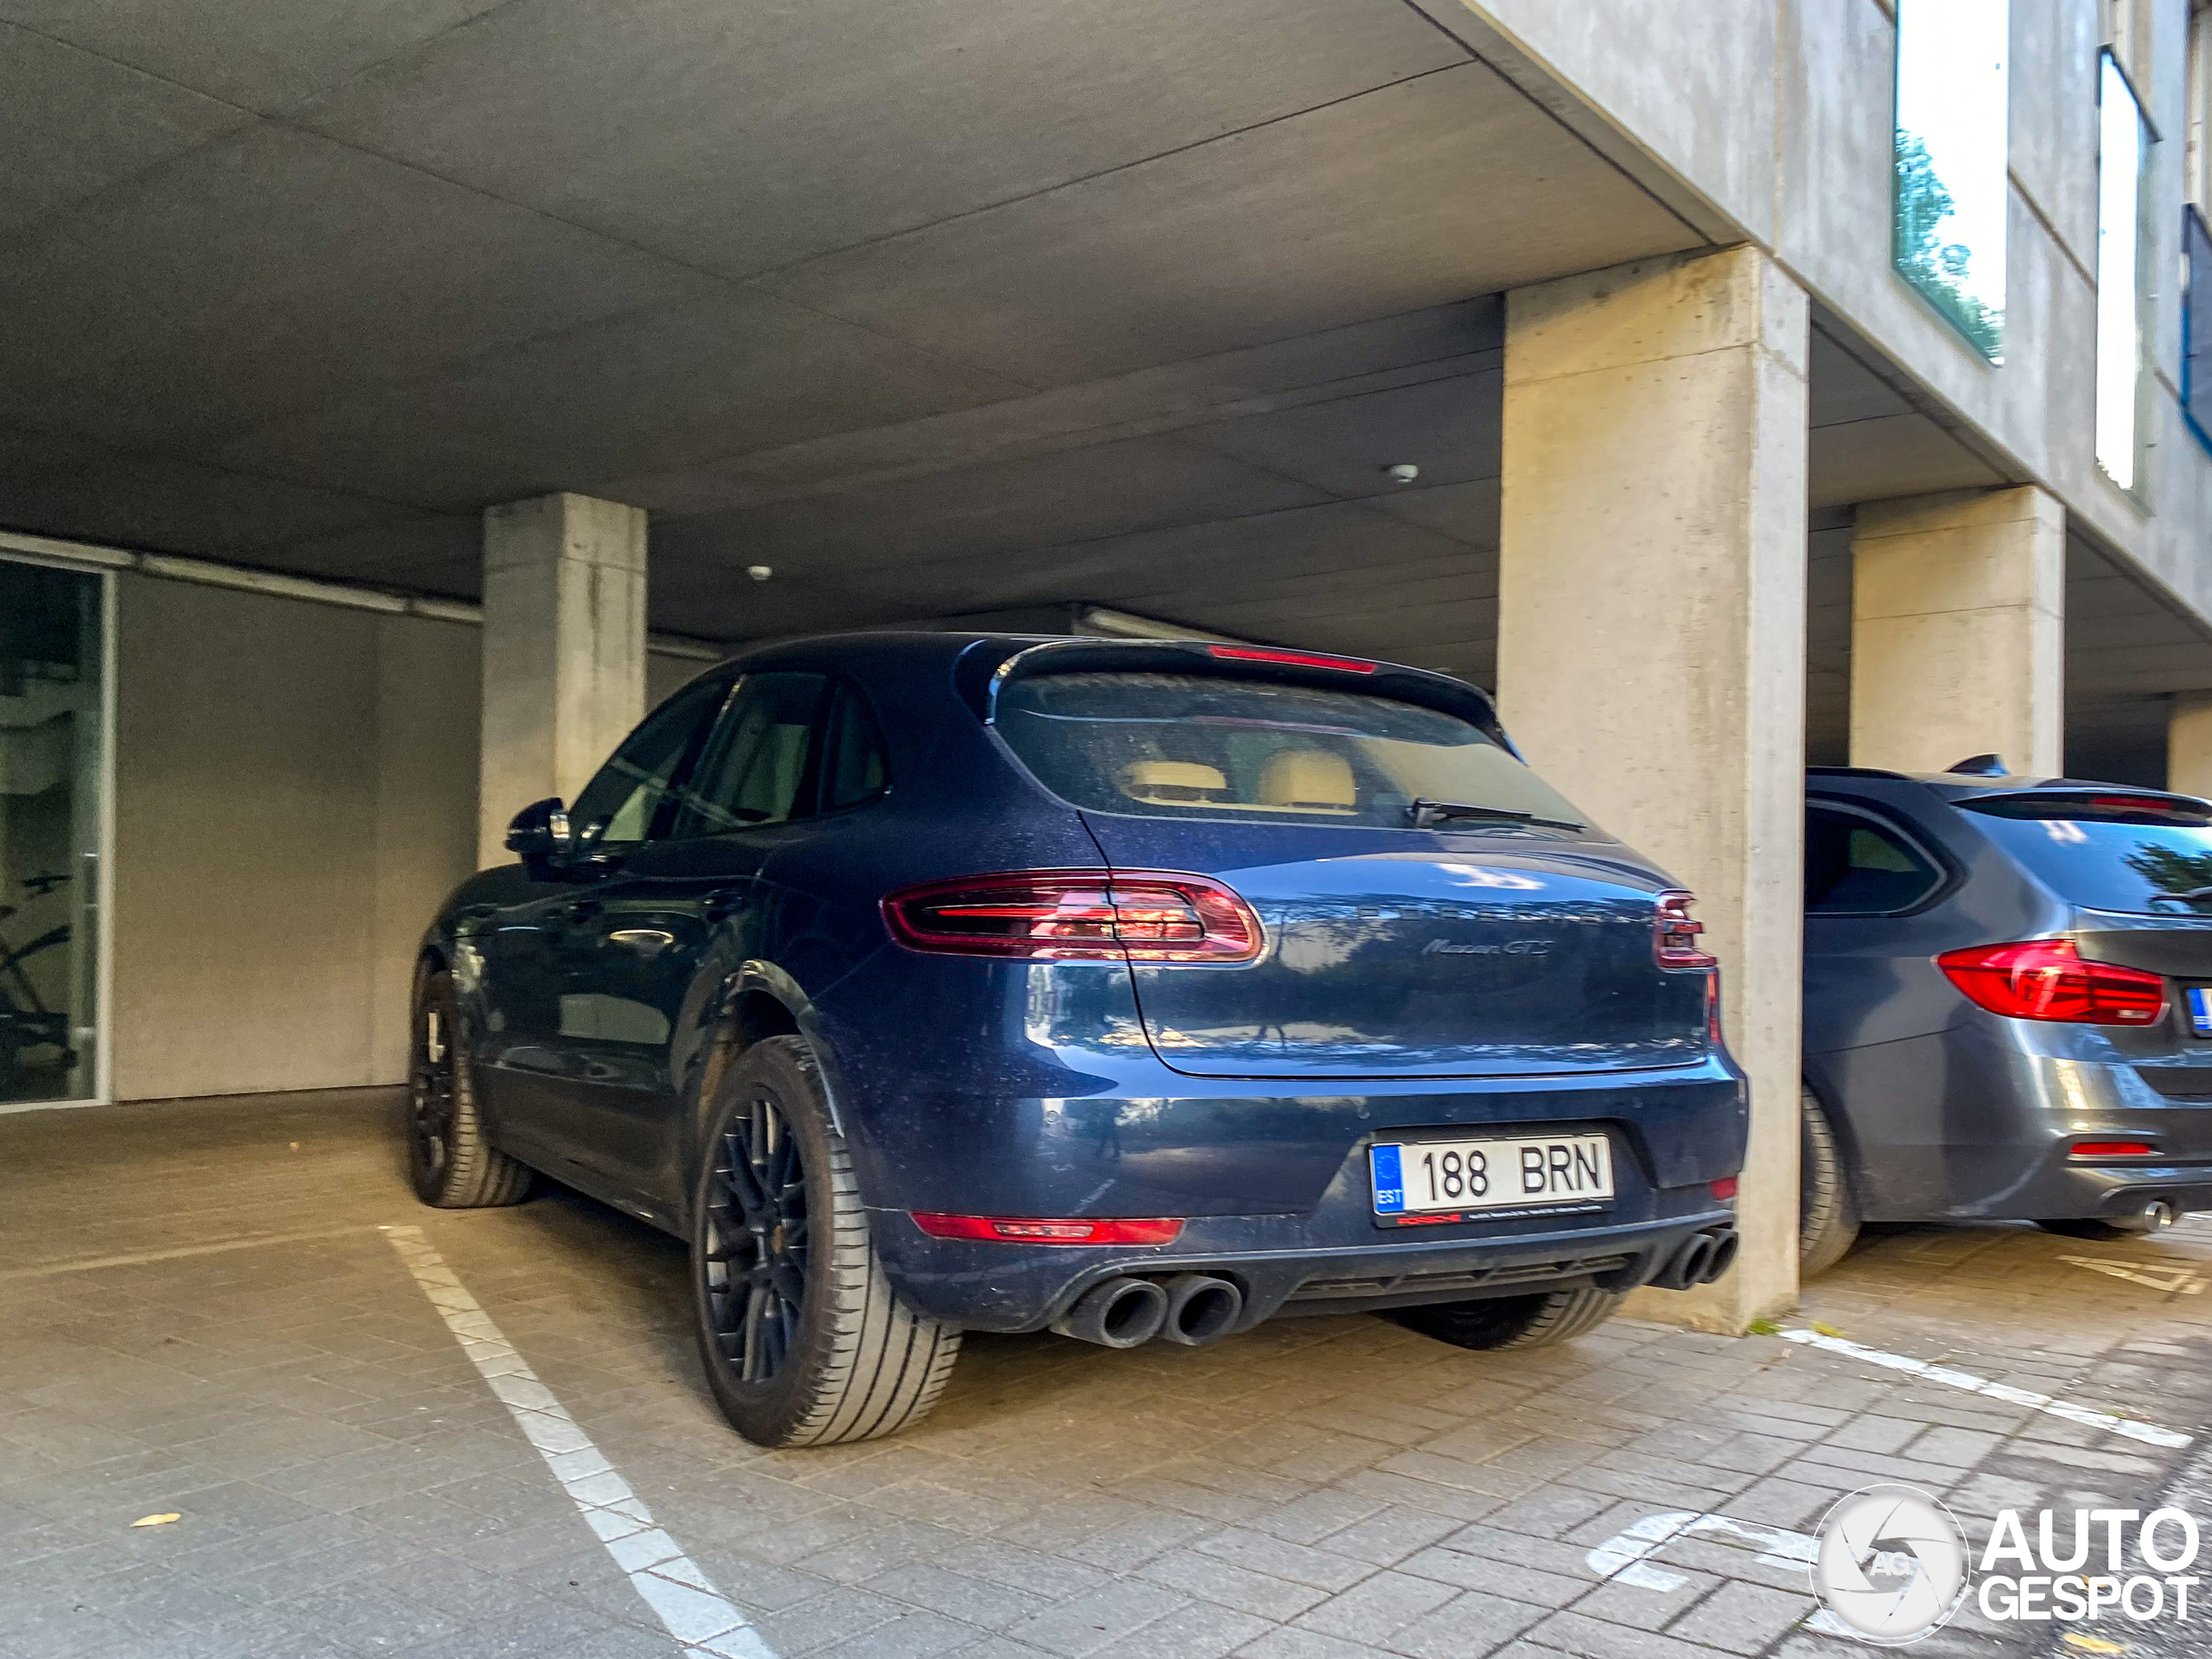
(1430,1181)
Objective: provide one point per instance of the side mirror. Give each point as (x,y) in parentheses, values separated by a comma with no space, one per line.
(539,834)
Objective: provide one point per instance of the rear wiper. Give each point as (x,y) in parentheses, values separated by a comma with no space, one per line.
(1425,812)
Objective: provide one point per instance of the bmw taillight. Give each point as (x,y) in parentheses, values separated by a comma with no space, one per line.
(1139,915)
(2046,979)
(1675,940)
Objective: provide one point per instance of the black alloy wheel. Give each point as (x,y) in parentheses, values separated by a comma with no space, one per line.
(803,1338)
(429,1098)
(756,1242)
(450,1160)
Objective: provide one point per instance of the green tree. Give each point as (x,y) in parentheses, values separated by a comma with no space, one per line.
(1937,268)
(2178,876)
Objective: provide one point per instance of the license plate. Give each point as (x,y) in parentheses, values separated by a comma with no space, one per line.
(1432,1181)
(2200,1010)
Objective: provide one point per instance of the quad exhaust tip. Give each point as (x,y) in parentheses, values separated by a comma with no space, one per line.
(1116,1313)
(1191,1308)
(1200,1309)
(1699,1260)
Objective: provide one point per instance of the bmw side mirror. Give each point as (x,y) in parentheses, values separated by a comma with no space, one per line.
(539,834)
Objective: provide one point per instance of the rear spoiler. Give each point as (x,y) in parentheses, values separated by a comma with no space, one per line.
(2110,802)
(981,675)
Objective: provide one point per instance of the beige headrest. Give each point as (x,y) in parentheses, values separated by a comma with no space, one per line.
(1307,777)
(1170,781)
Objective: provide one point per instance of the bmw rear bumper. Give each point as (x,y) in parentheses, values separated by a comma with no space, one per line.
(1997,1142)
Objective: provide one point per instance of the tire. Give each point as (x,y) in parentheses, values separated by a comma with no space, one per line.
(2089,1227)
(803,1340)
(451,1164)
(1536,1321)
(1827,1214)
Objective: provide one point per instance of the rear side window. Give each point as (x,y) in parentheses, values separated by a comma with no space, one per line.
(1855,866)
(2144,855)
(1201,746)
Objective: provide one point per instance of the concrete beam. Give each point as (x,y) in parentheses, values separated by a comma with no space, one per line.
(1651,651)
(1958,643)
(564,650)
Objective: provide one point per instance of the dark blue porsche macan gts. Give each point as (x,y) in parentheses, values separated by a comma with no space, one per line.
(933,983)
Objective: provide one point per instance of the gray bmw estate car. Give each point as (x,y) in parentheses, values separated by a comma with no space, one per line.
(2008,1003)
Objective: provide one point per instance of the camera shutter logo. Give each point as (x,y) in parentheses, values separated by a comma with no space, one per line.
(1892,1564)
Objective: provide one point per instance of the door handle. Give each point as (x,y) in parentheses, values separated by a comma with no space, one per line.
(723,904)
(645,941)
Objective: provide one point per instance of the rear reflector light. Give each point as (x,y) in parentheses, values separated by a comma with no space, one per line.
(2046,979)
(1675,941)
(2114,1149)
(1725,1188)
(1293,658)
(1029,1230)
(1078,916)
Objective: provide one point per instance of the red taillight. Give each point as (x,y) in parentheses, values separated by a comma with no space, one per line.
(1725,1188)
(2046,979)
(2113,1150)
(1675,939)
(1078,916)
(1295,659)
(1030,1229)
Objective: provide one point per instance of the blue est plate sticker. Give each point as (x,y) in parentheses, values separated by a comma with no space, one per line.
(1389,1180)
(2200,1010)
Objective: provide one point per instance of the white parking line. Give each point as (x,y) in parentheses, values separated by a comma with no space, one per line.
(701,1618)
(178,1253)
(2149,1433)
(1621,1557)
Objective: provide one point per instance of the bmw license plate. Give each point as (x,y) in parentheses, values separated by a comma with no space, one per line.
(1419,1182)
(2200,1010)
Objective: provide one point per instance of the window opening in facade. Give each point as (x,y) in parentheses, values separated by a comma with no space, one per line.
(2123,142)
(1951,195)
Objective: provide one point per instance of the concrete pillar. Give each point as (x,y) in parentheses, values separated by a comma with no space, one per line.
(1958,608)
(2189,744)
(564,650)
(1651,650)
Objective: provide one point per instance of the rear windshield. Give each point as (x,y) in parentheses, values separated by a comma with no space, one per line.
(2144,855)
(1198,747)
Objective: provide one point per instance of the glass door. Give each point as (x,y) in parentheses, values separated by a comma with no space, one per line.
(52,772)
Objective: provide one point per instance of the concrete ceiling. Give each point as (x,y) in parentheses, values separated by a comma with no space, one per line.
(938,310)
(306,284)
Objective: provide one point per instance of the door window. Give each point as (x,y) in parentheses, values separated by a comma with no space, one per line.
(853,768)
(756,767)
(632,797)
(51,816)
(1855,867)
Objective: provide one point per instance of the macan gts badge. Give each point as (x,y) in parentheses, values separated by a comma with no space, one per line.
(927,983)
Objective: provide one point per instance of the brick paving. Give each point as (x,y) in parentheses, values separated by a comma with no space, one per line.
(1321,1488)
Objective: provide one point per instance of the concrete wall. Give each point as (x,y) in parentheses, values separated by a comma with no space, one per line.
(295,789)
(1776,114)
(296,792)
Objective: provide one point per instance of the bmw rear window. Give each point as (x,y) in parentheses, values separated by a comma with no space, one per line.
(1183,746)
(2145,854)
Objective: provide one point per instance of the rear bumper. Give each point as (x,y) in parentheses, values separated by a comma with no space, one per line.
(1991,1132)
(1013,1288)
